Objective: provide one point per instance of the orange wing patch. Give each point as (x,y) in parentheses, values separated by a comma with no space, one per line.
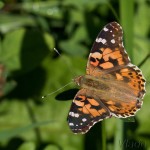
(105,58)
(123,109)
(134,79)
(92,101)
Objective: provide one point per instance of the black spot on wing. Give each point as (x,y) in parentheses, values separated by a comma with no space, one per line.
(113,61)
(92,59)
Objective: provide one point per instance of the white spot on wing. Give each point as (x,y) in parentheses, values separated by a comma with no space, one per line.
(84,119)
(103,41)
(98,40)
(71,114)
(105,29)
(71,124)
(76,115)
(113,41)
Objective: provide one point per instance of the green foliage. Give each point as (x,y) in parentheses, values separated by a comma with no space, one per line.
(30,68)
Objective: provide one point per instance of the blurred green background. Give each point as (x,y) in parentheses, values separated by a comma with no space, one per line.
(30,68)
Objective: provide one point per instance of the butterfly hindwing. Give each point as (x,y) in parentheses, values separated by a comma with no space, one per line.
(85,111)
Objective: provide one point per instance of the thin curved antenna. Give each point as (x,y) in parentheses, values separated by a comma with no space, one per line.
(57,90)
(65,62)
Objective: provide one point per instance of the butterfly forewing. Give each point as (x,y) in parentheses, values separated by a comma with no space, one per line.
(108,51)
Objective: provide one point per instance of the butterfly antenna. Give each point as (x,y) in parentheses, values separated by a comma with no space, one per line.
(57,90)
(56,51)
(64,85)
(64,61)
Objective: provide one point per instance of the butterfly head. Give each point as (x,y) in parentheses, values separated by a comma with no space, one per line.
(77,80)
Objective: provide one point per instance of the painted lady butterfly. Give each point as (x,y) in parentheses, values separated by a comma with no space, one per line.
(112,85)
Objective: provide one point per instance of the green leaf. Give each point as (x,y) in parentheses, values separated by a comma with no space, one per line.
(5,134)
(11,49)
(9,22)
(73,46)
(49,9)
(25,49)
(129,119)
(27,146)
(51,147)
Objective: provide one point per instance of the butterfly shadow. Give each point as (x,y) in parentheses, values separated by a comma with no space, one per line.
(67,95)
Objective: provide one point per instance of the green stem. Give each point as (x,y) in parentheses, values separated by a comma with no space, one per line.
(118,141)
(103,135)
(126,17)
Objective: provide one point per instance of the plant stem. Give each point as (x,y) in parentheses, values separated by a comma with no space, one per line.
(119,135)
(103,135)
